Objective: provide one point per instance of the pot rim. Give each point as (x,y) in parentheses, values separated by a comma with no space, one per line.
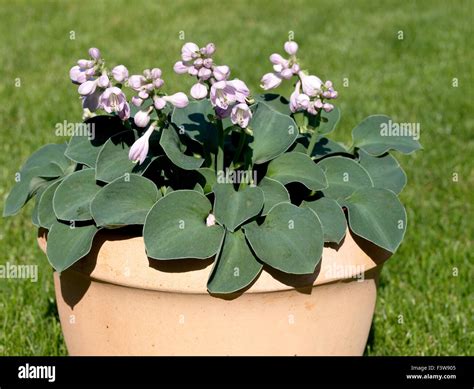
(109,262)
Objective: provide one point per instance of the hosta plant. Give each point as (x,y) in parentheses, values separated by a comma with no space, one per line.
(247,179)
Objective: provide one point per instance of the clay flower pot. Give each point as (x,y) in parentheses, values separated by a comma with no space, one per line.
(117,301)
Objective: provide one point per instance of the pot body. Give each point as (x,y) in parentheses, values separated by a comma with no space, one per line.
(116,301)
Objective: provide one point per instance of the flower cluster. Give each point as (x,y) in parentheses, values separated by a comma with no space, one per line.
(310,92)
(148,86)
(198,63)
(228,97)
(99,88)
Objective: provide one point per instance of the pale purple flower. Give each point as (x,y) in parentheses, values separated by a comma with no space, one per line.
(113,100)
(302,101)
(94,53)
(223,113)
(155,73)
(328,107)
(222,95)
(92,101)
(311,84)
(286,74)
(192,71)
(210,220)
(295,68)
(158,83)
(209,49)
(142,118)
(159,102)
(204,73)
(139,150)
(136,81)
(277,59)
(180,68)
(137,101)
(208,63)
(199,91)
(241,90)
(103,81)
(270,81)
(179,100)
(120,73)
(87,88)
(143,94)
(294,96)
(221,72)
(198,63)
(124,114)
(318,104)
(75,73)
(291,47)
(85,63)
(241,115)
(189,51)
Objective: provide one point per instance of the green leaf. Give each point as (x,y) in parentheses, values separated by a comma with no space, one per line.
(297,167)
(85,149)
(232,208)
(325,146)
(207,179)
(385,171)
(194,120)
(236,266)
(28,185)
(276,102)
(126,200)
(113,162)
(48,158)
(174,150)
(290,239)
(273,193)
(176,227)
(331,216)
(66,244)
(73,196)
(273,133)
(344,176)
(329,121)
(377,215)
(46,215)
(377,134)
(34,213)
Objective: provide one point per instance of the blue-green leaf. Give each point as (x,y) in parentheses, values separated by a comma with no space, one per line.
(331,216)
(125,201)
(176,227)
(377,134)
(273,133)
(297,167)
(290,239)
(232,208)
(344,176)
(377,215)
(236,266)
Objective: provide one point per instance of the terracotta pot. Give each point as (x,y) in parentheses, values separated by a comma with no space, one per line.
(117,301)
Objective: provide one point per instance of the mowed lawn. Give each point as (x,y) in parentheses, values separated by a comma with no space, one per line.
(425,303)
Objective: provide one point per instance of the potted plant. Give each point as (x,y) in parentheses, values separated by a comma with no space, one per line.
(225,224)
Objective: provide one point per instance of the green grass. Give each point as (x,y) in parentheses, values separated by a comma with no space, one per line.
(422,309)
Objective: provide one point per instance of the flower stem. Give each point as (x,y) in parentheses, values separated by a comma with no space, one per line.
(220,147)
(240,146)
(314,137)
